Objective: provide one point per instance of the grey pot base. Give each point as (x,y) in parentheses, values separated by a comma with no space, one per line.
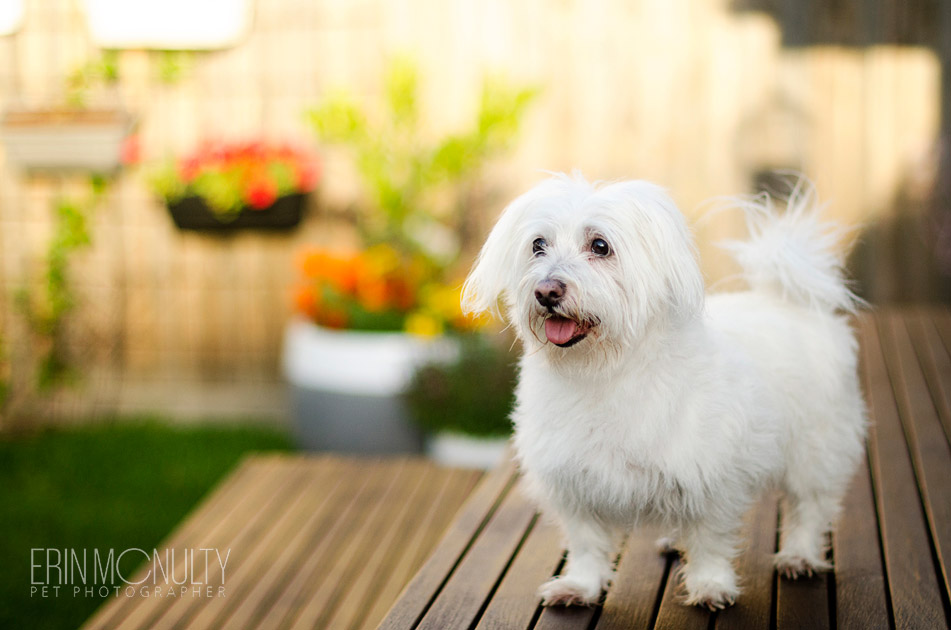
(349,423)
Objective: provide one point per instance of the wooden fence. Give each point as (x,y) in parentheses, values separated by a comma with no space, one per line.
(698,95)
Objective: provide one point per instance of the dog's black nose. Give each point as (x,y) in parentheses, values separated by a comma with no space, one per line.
(549,292)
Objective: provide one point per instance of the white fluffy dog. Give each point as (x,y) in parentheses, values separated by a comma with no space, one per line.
(640,399)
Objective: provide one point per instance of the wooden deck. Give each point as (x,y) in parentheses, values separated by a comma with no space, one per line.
(891,548)
(315,542)
(329,542)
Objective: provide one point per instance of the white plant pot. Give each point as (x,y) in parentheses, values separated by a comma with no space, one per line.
(466,451)
(347,386)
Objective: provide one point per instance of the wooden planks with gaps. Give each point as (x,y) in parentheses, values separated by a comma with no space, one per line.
(314,541)
(331,542)
(890,548)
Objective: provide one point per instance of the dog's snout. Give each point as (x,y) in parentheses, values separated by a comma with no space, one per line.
(549,292)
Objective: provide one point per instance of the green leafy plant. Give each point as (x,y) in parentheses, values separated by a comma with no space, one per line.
(98,71)
(172,65)
(473,395)
(416,186)
(102,70)
(47,307)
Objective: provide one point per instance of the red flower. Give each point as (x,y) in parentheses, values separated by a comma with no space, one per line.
(260,193)
(306,176)
(188,168)
(131,150)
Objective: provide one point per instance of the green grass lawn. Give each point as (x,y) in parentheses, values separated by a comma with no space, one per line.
(116,486)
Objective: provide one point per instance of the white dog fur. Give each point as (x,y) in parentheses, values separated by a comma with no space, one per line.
(667,405)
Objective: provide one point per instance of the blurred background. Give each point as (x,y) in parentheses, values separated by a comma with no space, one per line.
(705,97)
(200,200)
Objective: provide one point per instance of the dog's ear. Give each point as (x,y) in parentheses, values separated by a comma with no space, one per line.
(681,270)
(498,269)
(685,282)
(670,252)
(494,269)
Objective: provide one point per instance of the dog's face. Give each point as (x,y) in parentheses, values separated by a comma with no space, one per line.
(585,270)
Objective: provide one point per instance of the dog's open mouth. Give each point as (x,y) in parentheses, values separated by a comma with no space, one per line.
(564,332)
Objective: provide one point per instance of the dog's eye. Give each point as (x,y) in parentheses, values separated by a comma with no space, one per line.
(600,247)
(538,246)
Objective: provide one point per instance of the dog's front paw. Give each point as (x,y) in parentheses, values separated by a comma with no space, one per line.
(794,566)
(567,591)
(713,592)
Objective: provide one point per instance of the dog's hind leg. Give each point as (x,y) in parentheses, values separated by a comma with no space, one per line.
(816,478)
(805,522)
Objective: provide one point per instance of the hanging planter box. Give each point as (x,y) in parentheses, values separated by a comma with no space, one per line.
(192,213)
(65,139)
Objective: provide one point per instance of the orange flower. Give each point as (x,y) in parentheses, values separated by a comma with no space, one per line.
(341,272)
(404,297)
(305,301)
(310,262)
(334,269)
(379,281)
(373,294)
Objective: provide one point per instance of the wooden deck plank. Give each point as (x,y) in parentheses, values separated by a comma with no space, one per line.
(755,568)
(803,603)
(420,538)
(673,614)
(415,600)
(912,587)
(274,604)
(221,499)
(632,599)
(139,612)
(325,481)
(928,444)
(354,557)
(570,618)
(941,317)
(860,595)
(935,360)
(383,553)
(474,580)
(515,603)
(441,521)
(288,488)
(308,576)
(287,515)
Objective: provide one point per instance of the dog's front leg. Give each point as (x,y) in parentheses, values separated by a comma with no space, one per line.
(591,549)
(708,574)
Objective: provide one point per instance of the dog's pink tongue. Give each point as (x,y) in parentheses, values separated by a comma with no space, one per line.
(560,330)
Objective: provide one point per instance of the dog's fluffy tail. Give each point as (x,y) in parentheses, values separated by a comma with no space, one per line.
(792,253)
